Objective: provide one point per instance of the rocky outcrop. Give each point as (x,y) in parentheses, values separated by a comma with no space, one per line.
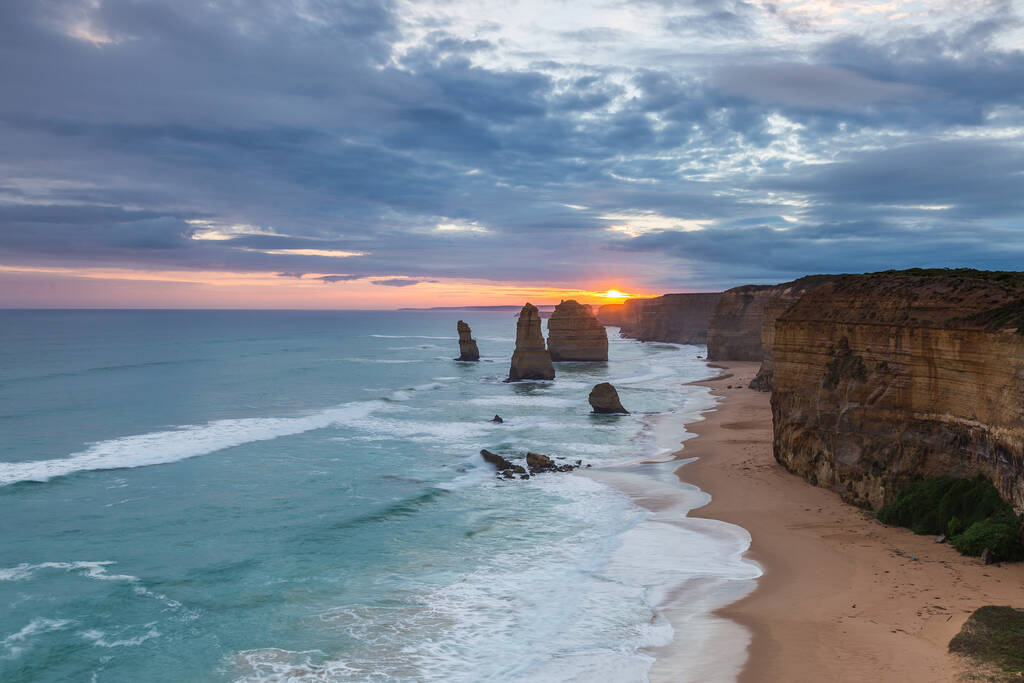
(676,318)
(536,462)
(531,359)
(467,345)
(779,300)
(885,377)
(605,399)
(574,334)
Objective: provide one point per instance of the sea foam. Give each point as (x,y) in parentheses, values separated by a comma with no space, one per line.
(190,441)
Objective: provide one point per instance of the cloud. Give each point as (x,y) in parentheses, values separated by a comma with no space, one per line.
(811,86)
(459,140)
(332,279)
(396,282)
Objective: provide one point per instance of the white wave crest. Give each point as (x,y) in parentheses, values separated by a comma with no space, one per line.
(160,448)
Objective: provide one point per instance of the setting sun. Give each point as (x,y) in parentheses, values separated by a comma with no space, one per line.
(613,294)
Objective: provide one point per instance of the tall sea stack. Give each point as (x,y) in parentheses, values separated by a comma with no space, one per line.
(575,334)
(467,345)
(531,359)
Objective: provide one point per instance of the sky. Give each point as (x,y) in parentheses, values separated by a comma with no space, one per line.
(377,154)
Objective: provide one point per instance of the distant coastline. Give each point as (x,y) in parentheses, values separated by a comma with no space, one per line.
(543,307)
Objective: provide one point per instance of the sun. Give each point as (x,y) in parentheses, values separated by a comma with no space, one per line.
(614,294)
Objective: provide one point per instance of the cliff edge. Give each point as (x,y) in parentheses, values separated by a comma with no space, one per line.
(884,377)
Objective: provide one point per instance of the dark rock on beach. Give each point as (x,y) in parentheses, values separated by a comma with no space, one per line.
(467,345)
(605,399)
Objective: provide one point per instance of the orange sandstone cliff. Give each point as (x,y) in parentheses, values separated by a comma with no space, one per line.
(676,318)
(883,377)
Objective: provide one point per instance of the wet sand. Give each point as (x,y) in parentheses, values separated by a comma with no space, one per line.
(843,597)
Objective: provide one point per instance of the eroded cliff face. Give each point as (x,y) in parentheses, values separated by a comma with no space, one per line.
(675,318)
(734,331)
(779,300)
(883,377)
(574,334)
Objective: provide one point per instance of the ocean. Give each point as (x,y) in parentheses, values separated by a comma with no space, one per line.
(299,496)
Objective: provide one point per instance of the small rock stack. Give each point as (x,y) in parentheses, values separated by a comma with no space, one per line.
(531,359)
(574,334)
(467,345)
(604,399)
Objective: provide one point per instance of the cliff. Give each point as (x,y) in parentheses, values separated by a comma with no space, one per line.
(676,318)
(531,359)
(734,331)
(885,377)
(575,334)
(779,300)
(467,345)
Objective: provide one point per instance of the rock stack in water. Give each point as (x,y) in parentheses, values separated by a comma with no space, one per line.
(604,399)
(531,359)
(467,345)
(575,334)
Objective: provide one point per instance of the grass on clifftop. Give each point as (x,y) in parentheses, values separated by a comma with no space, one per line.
(969,511)
(994,636)
(1010,278)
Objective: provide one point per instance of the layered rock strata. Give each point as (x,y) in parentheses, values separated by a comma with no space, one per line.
(779,300)
(885,377)
(676,318)
(574,334)
(531,359)
(467,345)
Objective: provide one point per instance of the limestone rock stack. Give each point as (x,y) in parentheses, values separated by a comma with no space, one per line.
(467,345)
(531,359)
(575,334)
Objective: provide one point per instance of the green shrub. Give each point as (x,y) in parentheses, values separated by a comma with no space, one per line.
(1000,534)
(969,511)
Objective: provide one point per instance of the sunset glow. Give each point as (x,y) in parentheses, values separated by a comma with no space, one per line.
(119,287)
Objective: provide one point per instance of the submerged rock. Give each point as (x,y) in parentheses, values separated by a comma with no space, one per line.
(605,399)
(574,334)
(531,359)
(467,345)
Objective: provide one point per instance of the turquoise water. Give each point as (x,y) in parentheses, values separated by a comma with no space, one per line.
(206,496)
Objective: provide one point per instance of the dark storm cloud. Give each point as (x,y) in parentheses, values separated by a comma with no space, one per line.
(298,127)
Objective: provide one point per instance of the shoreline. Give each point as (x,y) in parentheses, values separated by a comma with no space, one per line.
(842,597)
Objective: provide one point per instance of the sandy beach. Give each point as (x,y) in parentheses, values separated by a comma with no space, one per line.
(843,597)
